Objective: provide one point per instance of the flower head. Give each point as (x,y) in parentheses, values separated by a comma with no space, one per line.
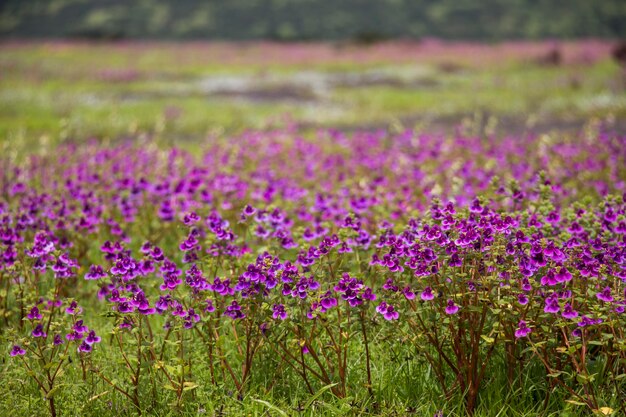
(34,314)
(17,351)
(279,312)
(92,338)
(73,308)
(451,308)
(569,312)
(605,295)
(522,330)
(427,294)
(38,331)
(388,311)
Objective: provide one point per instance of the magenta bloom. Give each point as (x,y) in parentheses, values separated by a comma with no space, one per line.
(605,295)
(328,302)
(552,305)
(92,338)
(85,347)
(569,312)
(125,307)
(369,295)
(563,275)
(17,351)
(549,279)
(522,299)
(388,311)
(451,308)
(95,272)
(234,311)
(427,294)
(248,210)
(209,306)
(80,327)
(73,308)
(74,335)
(410,295)
(279,312)
(38,331)
(34,314)
(522,330)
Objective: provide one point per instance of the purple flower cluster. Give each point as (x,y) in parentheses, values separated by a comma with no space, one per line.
(268,230)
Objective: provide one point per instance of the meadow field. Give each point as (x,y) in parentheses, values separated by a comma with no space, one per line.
(312,229)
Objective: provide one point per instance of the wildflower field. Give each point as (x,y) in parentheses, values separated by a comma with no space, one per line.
(449,241)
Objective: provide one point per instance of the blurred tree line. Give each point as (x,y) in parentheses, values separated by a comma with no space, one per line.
(360,20)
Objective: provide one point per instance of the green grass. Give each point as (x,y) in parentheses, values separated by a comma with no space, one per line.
(60,92)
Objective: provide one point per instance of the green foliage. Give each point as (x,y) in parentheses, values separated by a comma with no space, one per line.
(363,21)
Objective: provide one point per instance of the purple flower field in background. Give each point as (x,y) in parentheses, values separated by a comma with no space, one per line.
(280,251)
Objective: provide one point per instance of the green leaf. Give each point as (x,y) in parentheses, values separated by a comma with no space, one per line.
(188,386)
(317,395)
(95,397)
(487,339)
(271,407)
(584,379)
(575,402)
(53,391)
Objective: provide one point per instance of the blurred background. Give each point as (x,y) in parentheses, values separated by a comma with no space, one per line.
(296,20)
(184,69)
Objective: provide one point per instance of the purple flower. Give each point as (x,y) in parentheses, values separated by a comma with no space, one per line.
(552,305)
(92,338)
(34,314)
(279,312)
(95,272)
(522,299)
(563,275)
(549,279)
(451,308)
(605,295)
(74,335)
(522,330)
(427,294)
(588,321)
(125,307)
(73,308)
(455,260)
(388,311)
(58,340)
(553,217)
(328,302)
(248,210)
(17,351)
(569,312)
(80,327)
(38,331)
(234,311)
(85,347)
(410,295)
(369,295)
(191,218)
(190,319)
(209,306)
